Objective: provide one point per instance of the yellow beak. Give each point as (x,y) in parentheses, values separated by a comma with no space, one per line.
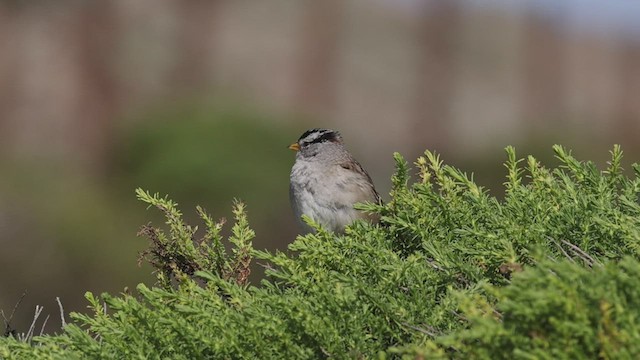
(294,146)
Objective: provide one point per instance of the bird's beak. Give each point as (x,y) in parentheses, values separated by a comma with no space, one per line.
(295,146)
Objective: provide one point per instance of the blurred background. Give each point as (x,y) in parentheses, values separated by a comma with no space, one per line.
(199,99)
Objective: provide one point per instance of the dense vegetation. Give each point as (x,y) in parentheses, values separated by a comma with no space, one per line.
(549,271)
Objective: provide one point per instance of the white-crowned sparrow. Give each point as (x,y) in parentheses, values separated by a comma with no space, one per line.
(326,181)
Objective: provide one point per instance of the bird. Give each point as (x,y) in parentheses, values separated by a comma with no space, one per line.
(326,181)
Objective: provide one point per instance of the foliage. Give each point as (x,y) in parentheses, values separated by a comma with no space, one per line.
(550,271)
(593,318)
(180,254)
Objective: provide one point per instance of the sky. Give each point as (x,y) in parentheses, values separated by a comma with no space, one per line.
(619,17)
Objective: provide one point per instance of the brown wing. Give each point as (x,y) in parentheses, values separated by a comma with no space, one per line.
(369,188)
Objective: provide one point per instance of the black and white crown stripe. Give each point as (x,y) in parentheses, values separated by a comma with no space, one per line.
(315,136)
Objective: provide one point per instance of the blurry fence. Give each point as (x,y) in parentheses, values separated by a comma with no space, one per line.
(433,75)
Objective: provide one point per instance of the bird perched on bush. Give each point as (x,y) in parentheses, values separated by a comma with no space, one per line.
(326,181)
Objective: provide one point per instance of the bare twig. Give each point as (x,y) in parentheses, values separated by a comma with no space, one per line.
(459,316)
(266,266)
(497,314)
(43,325)
(64,323)
(562,249)
(581,254)
(431,331)
(29,334)
(7,322)
(435,265)
(24,293)
(325,352)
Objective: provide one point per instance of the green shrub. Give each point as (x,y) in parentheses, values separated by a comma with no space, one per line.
(557,310)
(550,271)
